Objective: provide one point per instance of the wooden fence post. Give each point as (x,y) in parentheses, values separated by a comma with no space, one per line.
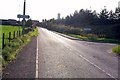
(19,33)
(14,35)
(3,42)
(9,36)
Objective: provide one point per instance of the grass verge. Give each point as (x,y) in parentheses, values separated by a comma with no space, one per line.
(116,49)
(94,39)
(9,52)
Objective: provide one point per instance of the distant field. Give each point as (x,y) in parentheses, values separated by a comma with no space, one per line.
(6,30)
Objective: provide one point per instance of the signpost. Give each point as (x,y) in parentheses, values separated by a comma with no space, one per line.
(23,16)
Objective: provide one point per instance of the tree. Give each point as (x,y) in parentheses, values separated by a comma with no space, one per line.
(117,12)
(104,14)
(111,15)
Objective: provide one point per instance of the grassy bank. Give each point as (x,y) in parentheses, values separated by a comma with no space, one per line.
(116,49)
(9,52)
(94,39)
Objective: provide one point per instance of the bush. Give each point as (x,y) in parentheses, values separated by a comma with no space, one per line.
(6,52)
(11,56)
(116,49)
(19,40)
(15,44)
(4,62)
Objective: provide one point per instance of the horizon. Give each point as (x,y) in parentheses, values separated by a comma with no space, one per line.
(38,10)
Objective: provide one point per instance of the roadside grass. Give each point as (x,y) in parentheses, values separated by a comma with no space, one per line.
(95,39)
(9,52)
(116,49)
(6,29)
(0,35)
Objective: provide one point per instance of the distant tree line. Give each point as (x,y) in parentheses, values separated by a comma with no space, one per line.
(105,23)
(89,17)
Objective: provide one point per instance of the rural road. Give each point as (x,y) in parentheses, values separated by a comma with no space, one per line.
(60,57)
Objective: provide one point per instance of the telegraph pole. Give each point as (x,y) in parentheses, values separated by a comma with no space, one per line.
(24,7)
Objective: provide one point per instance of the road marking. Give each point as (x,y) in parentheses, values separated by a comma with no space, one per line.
(96,66)
(37,60)
(93,64)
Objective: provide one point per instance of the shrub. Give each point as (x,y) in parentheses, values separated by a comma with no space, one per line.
(4,62)
(116,49)
(15,44)
(6,52)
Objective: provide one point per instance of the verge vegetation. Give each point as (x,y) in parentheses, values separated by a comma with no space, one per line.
(116,49)
(9,52)
(90,37)
(6,29)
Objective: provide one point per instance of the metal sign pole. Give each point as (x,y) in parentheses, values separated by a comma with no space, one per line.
(19,27)
(24,17)
(23,30)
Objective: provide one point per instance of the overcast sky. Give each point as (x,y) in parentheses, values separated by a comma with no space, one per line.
(47,9)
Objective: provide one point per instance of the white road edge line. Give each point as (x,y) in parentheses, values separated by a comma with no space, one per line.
(97,67)
(36,75)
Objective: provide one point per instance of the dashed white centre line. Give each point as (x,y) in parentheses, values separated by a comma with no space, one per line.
(97,67)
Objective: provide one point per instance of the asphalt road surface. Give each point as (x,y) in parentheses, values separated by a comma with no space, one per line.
(60,57)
